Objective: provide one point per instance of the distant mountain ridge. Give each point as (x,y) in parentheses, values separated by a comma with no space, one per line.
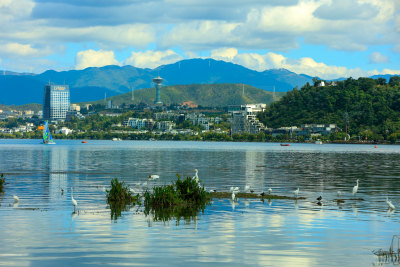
(95,83)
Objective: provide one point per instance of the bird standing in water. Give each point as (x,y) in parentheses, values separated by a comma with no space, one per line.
(355,188)
(196,176)
(73,201)
(296,192)
(391,206)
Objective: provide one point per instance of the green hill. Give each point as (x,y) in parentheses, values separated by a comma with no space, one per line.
(370,107)
(209,95)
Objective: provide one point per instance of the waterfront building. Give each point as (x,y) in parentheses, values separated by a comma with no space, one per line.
(245,120)
(56,102)
(165,125)
(137,123)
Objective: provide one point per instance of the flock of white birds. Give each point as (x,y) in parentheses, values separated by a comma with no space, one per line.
(233,190)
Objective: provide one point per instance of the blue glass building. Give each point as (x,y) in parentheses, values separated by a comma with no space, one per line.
(56,102)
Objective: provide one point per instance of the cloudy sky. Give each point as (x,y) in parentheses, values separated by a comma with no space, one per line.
(325,38)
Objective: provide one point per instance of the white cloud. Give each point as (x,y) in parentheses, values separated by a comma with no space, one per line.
(378,58)
(200,26)
(305,65)
(17,49)
(152,59)
(92,58)
(224,53)
(345,10)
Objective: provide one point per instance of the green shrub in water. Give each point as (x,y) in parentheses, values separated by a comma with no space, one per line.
(119,198)
(182,199)
(2,182)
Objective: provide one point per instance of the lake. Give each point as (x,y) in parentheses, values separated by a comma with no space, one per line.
(42,230)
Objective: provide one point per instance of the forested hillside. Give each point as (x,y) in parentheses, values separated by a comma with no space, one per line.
(208,95)
(371,107)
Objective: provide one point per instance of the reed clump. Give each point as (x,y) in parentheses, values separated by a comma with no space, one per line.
(120,198)
(2,182)
(392,255)
(181,199)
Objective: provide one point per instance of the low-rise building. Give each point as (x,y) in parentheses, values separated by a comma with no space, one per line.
(64,130)
(165,125)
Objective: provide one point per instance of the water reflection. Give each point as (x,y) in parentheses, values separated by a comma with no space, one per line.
(250,232)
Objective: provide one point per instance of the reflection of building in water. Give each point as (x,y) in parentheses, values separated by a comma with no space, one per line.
(57,161)
(254,175)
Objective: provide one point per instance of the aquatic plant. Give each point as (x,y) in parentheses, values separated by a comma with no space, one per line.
(182,199)
(120,198)
(392,255)
(2,182)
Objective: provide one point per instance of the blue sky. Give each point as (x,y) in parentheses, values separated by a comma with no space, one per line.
(325,38)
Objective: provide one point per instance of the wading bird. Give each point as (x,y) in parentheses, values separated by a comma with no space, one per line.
(246,188)
(391,206)
(269,191)
(16,198)
(153,177)
(196,176)
(355,188)
(339,193)
(296,192)
(73,201)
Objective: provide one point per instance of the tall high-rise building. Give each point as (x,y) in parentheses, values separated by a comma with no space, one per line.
(56,102)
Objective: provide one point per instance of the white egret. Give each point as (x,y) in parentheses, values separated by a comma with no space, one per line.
(339,193)
(391,206)
(296,192)
(73,201)
(236,190)
(16,198)
(246,188)
(196,176)
(154,177)
(233,196)
(269,191)
(355,188)
(133,191)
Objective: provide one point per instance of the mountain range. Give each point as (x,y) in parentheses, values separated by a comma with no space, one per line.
(95,83)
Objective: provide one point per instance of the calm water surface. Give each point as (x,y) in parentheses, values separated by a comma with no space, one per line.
(41,229)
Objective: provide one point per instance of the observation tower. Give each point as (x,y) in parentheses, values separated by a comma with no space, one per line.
(157,81)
